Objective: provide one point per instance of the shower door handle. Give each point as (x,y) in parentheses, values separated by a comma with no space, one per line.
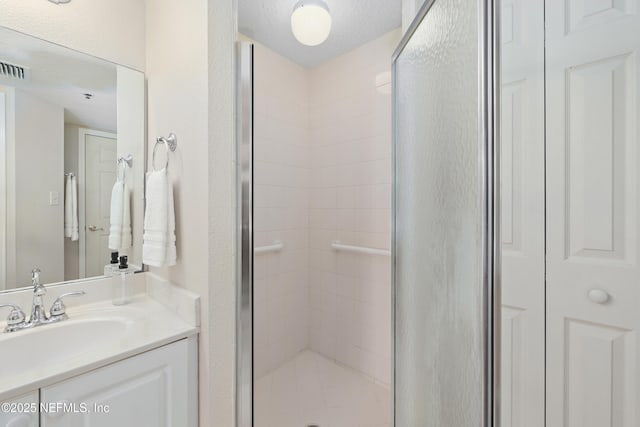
(94,228)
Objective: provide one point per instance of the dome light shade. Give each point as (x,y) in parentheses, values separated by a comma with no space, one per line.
(311,22)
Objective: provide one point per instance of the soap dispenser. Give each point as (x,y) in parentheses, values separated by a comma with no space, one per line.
(112,267)
(120,282)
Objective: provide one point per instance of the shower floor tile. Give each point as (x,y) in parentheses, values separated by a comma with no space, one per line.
(312,390)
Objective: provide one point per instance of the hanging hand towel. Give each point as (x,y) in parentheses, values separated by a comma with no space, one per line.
(120,217)
(71,208)
(159,239)
(75,235)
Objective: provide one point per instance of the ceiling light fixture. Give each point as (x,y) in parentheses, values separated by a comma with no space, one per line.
(311,22)
(59,1)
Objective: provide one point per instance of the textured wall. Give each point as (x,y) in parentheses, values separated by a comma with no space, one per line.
(222,202)
(177,83)
(108,29)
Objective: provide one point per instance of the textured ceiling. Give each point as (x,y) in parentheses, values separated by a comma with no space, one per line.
(355,22)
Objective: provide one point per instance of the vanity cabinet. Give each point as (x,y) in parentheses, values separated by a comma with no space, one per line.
(156,388)
(21,411)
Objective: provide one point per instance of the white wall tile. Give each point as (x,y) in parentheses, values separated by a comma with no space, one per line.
(350,201)
(323,173)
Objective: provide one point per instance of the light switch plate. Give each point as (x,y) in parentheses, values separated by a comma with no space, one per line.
(54,198)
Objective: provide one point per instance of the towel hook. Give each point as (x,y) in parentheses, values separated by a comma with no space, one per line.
(128,160)
(124,162)
(170,143)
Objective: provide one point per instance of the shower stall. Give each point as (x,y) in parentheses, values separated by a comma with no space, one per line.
(367,260)
(383,282)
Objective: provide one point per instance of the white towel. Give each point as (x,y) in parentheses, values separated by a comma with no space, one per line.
(120,217)
(159,239)
(71,207)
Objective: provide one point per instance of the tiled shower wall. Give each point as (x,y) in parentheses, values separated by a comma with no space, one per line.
(323,173)
(350,201)
(281,172)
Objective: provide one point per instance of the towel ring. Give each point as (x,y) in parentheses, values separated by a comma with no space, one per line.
(170,144)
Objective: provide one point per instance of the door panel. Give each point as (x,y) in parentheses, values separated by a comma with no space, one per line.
(100,175)
(593,92)
(522,219)
(443,308)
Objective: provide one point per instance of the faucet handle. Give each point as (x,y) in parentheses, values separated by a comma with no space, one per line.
(58,309)
(16,317)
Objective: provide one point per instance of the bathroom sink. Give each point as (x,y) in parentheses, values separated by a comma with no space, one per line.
(55,343)
(96,334)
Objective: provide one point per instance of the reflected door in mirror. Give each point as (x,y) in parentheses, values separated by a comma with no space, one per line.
(100,175)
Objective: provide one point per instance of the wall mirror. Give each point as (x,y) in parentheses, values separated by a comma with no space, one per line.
(71,126)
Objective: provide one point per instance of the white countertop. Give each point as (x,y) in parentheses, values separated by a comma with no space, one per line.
(38,357)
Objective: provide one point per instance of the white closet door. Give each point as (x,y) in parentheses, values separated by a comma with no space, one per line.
(593,91)
(522,177)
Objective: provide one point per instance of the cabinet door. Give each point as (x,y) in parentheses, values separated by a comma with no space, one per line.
(20,412)
(157,388)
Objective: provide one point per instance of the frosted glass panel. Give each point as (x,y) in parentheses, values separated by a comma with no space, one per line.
(439,359)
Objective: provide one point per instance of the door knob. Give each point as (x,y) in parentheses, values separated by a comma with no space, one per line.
(598,296)
(94,228)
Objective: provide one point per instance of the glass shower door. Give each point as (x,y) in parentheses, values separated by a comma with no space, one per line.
(445,257)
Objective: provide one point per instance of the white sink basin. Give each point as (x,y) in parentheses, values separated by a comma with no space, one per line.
(55,343)
(95,335)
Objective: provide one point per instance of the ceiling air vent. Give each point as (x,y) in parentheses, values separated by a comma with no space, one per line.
(13,71)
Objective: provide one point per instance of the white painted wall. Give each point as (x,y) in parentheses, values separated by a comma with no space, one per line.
(131,103)
(3,188)
(9,188)
(71,249)
(109,29)
(39,170)
(180,84)
(191,87)
(222,213)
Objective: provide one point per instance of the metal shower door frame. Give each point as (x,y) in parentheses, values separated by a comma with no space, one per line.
(489,159)
(244,275)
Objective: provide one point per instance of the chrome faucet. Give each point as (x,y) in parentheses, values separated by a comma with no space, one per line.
(17,319)
(38,312)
